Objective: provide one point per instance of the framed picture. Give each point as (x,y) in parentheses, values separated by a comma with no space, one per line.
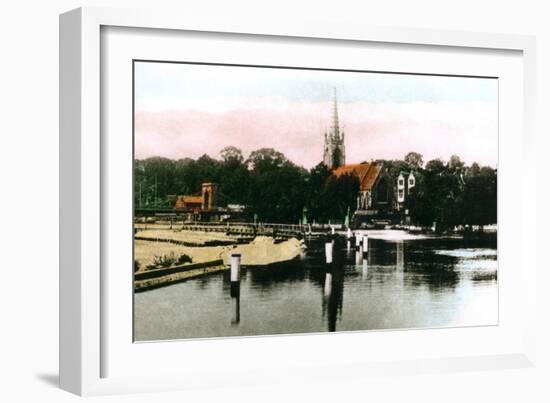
(243,203)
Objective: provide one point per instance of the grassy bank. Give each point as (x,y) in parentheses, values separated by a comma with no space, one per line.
(158,243)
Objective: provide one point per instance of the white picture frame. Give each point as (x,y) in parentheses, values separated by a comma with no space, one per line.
(85,307)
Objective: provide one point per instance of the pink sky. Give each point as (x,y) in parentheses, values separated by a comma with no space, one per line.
(373,130)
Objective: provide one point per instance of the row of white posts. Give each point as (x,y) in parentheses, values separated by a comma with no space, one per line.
(361,244)
(361,254)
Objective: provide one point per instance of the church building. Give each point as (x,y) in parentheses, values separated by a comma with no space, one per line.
(376,197)
(375,188)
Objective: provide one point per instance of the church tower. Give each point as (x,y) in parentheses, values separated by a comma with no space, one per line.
(334,154)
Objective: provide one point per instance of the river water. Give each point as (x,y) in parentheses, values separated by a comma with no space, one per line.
(401,282)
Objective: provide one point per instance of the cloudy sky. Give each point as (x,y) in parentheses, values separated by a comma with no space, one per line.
(185,110)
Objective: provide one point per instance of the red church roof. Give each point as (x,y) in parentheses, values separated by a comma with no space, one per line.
(367,173)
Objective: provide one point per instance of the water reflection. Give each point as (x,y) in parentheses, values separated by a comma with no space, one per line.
(359,256)
(236,310)
(333,299)
(365,269)
(400,255)
(389,284)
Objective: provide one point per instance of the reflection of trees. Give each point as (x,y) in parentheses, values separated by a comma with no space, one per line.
(417,262)
(434,279)
(431,269)
(381,253)
(265,277)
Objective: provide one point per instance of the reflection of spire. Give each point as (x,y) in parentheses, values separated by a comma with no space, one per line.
(335,129)
(333,299)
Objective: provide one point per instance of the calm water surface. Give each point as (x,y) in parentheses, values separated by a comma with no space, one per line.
(404,282)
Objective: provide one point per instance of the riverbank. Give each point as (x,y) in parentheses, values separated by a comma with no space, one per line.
(148,280)
(166,252)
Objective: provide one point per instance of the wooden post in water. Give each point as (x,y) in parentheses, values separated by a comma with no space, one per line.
(359,256)
(329,246)
(365,242)
(235,274)
(349,237)
(329,249)
(235,267)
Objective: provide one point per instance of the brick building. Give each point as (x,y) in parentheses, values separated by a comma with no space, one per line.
(207,200)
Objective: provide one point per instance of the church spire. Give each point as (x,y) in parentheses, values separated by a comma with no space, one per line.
(334,154)
(335,129)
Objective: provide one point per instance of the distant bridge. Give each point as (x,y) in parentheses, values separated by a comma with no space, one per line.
(202,214)
(239,228)
(248,229)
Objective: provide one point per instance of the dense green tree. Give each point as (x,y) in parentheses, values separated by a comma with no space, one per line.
(316,203)
(455,164)
(265,159)
(394,167)
(414,160)
(340,195)
(232,155)
(207,169)
(452,194)
(480,196)
(277,186)
(184,177)
(154,180)
(235,178)
(436,166)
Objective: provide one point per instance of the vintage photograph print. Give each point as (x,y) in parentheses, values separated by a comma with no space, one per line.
(273,200)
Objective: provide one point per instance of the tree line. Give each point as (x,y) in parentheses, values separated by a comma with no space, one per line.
(277,190)
(448,194)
